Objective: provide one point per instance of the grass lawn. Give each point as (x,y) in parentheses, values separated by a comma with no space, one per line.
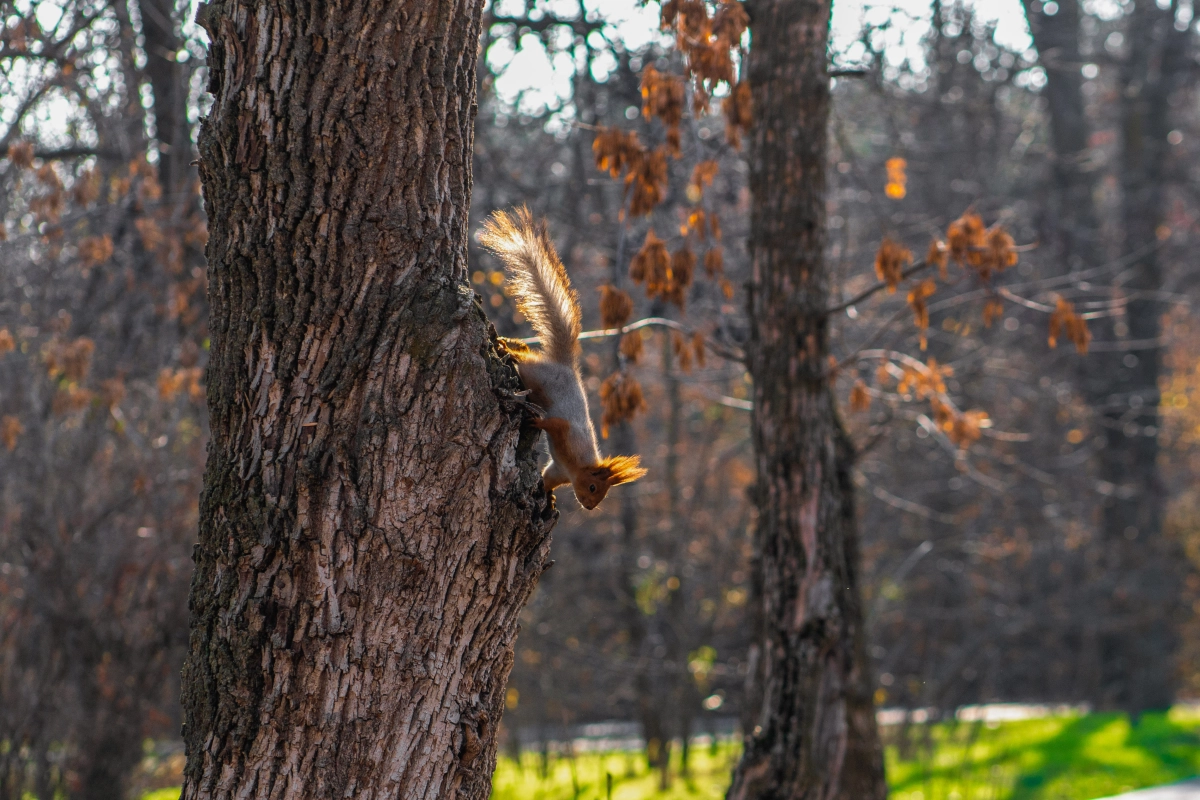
(1056,758)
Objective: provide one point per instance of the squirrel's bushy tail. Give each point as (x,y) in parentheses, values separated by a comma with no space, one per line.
(538,280)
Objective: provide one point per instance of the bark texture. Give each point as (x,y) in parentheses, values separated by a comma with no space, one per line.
(811,733)
(372,520)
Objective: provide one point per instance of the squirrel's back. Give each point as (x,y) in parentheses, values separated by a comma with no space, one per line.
(537,280)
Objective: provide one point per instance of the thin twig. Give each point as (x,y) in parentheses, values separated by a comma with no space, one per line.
(725,352)
(863,295)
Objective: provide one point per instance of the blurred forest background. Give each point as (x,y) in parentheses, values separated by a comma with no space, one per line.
(1042,547)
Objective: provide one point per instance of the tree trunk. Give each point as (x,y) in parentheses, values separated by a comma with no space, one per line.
(813,733)
(1138,655)
(1135,587)
(1075,227)
(169,81)
(371,522)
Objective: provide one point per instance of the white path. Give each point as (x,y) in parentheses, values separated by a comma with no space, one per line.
(1188,790)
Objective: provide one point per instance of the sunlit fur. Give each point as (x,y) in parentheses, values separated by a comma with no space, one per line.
(593,482)
(544,295)
(537,279)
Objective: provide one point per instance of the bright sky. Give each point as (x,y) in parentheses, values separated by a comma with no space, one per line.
(543,80)
(539,79)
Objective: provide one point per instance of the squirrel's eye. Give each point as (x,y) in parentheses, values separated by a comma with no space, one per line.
(592,488)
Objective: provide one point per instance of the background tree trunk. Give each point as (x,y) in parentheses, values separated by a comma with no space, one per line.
(169,80)
(1137,656)
(1135,584)
(814,734)
(1075,228)
(372,521)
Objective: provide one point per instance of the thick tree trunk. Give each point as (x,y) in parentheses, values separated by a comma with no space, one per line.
(813,731)
(371,522)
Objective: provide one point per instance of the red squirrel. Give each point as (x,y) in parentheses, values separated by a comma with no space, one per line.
(539,282)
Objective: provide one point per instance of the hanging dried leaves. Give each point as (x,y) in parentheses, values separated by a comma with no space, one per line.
(860,400)
(699,349)
(965,234)
(683,269)
(714,262)
(702,177)
(707,43)
(962,428)
(616,150)
(10,431)
(924,380)
(7,342)
(651,263)
(616,307)
(172,381)
(1064,320)
(897,178)
(632,346)
(662,97)
(986,250)
(647,179)
(86,188)
(152,235)
(95,250)
(890,261)
(645,170)
(70,360)
(738,108)
(21,154)
(621,399)
(112,392)
(993,309)
(938,255)
(681,347)
(916,300)
(666,276)
(71,397)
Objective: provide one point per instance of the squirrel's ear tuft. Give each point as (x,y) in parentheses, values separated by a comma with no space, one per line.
(617,470)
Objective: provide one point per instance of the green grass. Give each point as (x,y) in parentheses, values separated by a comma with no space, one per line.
(162,794)
(1056,758)
(708,776)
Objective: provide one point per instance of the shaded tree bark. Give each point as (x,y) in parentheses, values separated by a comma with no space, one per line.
(372,520)
(812,731)
(1136,650)
(1137,658)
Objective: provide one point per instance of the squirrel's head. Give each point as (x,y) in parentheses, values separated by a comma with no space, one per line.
(592,483)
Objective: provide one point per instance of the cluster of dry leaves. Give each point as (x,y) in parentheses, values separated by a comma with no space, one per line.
(67,360)
(709,37)
(926,382)
(985,252)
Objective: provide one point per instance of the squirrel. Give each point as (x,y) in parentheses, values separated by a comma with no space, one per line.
(539,282)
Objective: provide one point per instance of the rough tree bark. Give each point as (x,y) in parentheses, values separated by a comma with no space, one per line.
(372,519)
(812,730)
